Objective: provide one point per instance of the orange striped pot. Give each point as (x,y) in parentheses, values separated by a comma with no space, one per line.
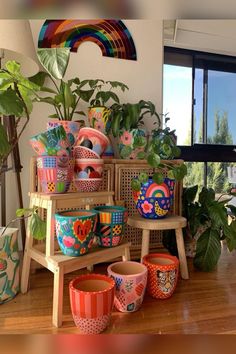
(91,300)
(163,271)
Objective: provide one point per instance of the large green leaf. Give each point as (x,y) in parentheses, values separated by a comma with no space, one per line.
(54,61)
(4,144)
(208,250)
(39,78)
(10,104)
(153,160)
(190,194)
(37,227)
(69,99)
(218,214)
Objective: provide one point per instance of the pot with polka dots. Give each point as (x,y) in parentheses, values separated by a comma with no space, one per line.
(111,225)
(163,272)
(131,280)
(91,301)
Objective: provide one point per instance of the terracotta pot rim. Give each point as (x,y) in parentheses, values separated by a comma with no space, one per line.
(94,130)
(106,208)
(90,213)
(92,276)
(174,259)
(95,161)
(144,271)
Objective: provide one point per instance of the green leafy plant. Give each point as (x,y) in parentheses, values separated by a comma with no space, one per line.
(17,95)
(65,95)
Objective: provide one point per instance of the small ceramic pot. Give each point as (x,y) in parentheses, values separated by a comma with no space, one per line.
(163,272)
(75,231)
(72,128)
(91,301)
(154,200)
(81,152)
(88,168)
(131,280)
(88,185)
(53,142)
(128,141)
(111,225)
(93,139)
(55,173)
(9,265)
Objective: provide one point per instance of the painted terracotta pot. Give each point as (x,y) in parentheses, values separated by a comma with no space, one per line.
(75,231)
(154,200)
(9,265)
(91,300)
(131,280)
(93,139)
(129,144)
(88,168)
(163,272)
(53,142)
(111,225)
(81,152)
(88,185)
(55,173)
(72,128)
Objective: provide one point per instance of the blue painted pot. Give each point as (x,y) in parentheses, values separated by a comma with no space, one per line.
(154,200)
(75,231)
(111,225)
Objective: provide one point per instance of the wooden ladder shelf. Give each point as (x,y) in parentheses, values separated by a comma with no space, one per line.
(54,260)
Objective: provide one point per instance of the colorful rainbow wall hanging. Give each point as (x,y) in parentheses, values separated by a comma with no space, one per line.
(112,36)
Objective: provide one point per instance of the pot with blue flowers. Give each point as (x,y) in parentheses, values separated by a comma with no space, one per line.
(153,194)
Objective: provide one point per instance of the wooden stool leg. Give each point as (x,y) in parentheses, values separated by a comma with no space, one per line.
(126,255)
(145,243)
(182,255)
(58,297)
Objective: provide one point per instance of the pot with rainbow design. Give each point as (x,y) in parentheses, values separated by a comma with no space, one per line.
(153,201)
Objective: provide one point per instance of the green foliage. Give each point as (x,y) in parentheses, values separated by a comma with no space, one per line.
(37,225)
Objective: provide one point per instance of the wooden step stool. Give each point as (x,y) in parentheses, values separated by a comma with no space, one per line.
(54,260)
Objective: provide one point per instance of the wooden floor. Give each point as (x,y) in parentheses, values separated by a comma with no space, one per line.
(205,304)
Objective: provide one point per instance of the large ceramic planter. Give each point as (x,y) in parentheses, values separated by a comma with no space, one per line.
(9,265)
(93,139)
(154,200)
(99,118)
(75,231)
(53,142)
(129,141)
(55,173)
(111,225)
(131,281)
(163,272)
(72,128)
(91,300)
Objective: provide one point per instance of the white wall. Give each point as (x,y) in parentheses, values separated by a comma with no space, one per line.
(143,77)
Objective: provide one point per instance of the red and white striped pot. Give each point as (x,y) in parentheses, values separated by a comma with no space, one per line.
(91,300)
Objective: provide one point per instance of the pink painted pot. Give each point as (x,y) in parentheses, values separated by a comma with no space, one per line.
(91,301)
(88,168)
(72,128)
(131,280)
(93,139)
(88,185)
(81,152)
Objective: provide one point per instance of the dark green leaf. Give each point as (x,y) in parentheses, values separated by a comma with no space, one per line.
(141,155)
(139,141)
(190,193)
(84,95)
(39,78)
(23,212)
(158,177)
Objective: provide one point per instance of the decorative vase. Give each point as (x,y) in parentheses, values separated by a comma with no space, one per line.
(9,265)
(153,201)
(75,231)
(88,168)
(163,271)
(72,128)
(99,118)
(55,173)
(93,139)
(91,300)
(131,280)
(111,225)
(132,143)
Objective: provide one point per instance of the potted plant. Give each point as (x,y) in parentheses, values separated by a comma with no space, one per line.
(65,95)
(207,227)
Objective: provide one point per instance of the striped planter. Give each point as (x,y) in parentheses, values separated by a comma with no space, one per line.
(91,300)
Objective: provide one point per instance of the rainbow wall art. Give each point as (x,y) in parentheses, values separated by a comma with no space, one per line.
(112,36)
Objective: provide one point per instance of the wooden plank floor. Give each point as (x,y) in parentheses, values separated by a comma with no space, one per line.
(204,304)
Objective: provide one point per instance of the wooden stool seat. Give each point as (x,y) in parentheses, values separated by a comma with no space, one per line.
(170,222)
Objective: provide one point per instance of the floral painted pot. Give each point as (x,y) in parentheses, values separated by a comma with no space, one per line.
(163,272)
(51,143)
(111,225)
(154,200)
(9,265)
(88,184)
(81,152)
(93,139)
(71,128)
(55,173)
(132,144)
(88,168)
(75,231)
(99,118)
(91,301)
(131,280)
